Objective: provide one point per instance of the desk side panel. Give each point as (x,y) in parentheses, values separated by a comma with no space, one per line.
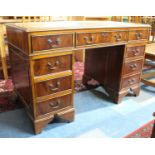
(20,65)
(21,76)
(17,38)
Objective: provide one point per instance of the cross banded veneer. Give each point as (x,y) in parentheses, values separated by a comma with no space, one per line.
(42,59)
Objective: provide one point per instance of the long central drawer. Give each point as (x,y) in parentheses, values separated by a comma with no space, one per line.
(91,38)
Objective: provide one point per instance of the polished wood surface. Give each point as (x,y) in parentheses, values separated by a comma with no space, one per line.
(135,51)
(130,80)
(21,76)
(3,41)
(138,34)
(79,55)
(18,38)
(53,105)
(132,67)
(114,54)
(53,86)
(100,37)
(47,42)
(52,65)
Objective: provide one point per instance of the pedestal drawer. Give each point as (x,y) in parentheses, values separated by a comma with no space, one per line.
(53,86)
(135,51)
(53,104)
(47,42)
(133,67)
(129,81)
(138,35)
(52,65)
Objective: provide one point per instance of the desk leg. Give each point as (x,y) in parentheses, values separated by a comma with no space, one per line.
(40,124)
(63,116)
(118,96)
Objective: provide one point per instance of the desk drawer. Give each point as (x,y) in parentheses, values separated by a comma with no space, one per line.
(129,81)
(119,36)
(93,38)
(135,51)
(48,42)
(83,39)
(54,104)
(53,86)
(138,35)
(52,65)
(133,67)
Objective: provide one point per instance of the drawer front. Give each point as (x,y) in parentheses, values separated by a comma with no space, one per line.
(135,51)
(48,42)
(53,86)
(53,104)
(83,39)
(138,35)
(52,65)
(93,38)
(133,67)
(129,81)
(119,36)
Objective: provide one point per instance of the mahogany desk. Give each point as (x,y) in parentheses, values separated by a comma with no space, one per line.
(42,58)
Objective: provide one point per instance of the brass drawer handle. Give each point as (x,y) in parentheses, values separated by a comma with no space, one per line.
(133,67)
(54,44)
(118,37)
(55,105)
(131,81)
(89,40)
(131,91)
(55,88)
(138,35)
(136,52)
(53,67)
(57,63)
(50,41)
